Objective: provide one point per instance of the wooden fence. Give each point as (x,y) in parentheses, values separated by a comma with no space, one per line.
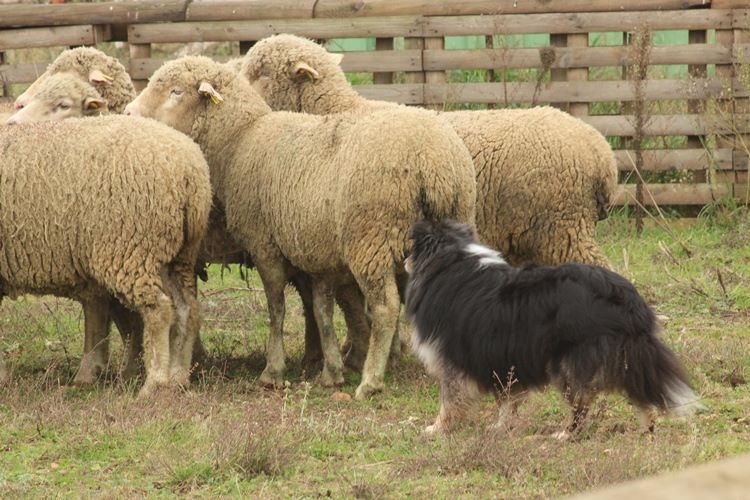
(699,120)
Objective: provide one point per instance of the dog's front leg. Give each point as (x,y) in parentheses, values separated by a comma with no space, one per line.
(458,395)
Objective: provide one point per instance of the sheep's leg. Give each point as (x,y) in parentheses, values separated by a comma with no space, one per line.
(274,281)
(96,341)
(157,321)
(130,326)
(351,302)
(313,350)
(181,286)
(383,302)
(3,371)
(333,367)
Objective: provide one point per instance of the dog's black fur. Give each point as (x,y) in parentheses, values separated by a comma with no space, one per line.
(582,328)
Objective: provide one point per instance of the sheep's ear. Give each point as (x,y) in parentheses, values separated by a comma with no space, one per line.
(336,57)
(207,90)
(94,103)
(98,78)
(302,69)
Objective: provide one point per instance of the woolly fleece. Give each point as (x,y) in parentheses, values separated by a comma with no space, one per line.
(331,196)
(544,178)
(108,206)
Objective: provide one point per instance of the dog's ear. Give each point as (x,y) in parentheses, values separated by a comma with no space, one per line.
(464,232)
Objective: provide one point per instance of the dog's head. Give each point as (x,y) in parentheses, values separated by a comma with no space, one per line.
(432,238)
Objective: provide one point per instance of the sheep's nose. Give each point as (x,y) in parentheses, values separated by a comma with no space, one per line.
(11,121)
(131,110)
(18,105)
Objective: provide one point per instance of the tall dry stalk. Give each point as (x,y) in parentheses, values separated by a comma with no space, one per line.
(639,57)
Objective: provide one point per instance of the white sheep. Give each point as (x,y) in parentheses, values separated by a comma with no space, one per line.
(330,196)
(103,207)
(544,178)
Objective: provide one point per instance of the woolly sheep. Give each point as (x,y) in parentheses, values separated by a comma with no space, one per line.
(544,178)
(329,196)
(103,72)
(95,217)
(60,96)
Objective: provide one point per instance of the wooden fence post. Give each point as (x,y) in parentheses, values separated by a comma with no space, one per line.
(696,106)
(414,76)
(139,51)
(383,77)
(4,87)
(435,77)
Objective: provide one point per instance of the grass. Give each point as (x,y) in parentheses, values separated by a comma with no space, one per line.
(227,436)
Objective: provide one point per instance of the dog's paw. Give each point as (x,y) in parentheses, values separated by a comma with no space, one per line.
(563,435)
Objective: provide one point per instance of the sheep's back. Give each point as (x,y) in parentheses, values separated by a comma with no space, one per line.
(324,181)
(88,199)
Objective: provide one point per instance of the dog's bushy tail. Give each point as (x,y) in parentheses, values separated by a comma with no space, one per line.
(654,377)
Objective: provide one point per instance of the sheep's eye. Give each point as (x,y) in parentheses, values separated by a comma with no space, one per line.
(63,106)
(175,93)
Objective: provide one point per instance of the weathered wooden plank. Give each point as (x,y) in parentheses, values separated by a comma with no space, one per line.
(221,31)
(53,36)
(583,22)
(22,73)
(24,14)
(681,159)
(574,57)
(671,194)
(212,10)
(406,93)
(660,125)
(347,8)
(389,60)
(584,91)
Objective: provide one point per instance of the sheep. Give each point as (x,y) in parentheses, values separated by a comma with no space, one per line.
(107,207)
(60,96)
(329,196)
(544,178)
(103,72)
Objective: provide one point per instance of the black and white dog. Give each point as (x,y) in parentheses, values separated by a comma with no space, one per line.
(481,325)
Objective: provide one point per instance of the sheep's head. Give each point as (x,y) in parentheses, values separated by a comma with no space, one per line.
(58,97)
(282,67)
(182,91)
(103,73)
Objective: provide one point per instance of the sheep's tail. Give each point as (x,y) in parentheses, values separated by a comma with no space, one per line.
(654,377)
(452,197)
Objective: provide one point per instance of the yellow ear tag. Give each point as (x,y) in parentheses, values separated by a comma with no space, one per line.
(216,98)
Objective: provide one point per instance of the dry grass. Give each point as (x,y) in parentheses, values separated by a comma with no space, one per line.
(227,436)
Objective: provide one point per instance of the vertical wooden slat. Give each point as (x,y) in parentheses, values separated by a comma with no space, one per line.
(578,74)
(489,43)
(246,45)
(436,77)
(383,77)
(139,51)
(558,74)
(4,90)
(414,44)
(696,106)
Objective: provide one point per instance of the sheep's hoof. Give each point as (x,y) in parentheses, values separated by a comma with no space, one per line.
(331,377)
(154,388)
(131,371)
(431,430)
(87,375)
(272,379)
(366,390)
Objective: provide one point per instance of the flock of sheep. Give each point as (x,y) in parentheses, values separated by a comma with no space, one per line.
(270,160)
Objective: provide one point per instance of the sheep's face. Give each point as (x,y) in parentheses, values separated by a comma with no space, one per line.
(179,92)
(57,97)
(283,68)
